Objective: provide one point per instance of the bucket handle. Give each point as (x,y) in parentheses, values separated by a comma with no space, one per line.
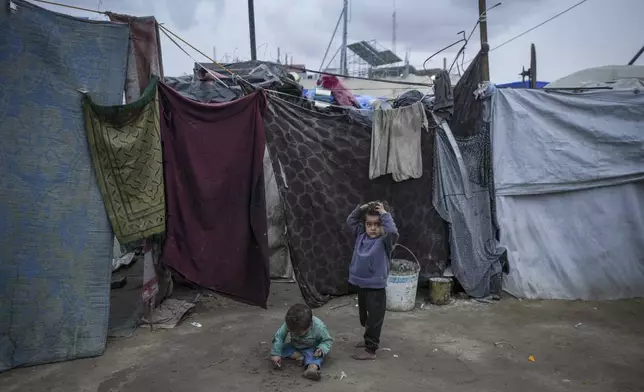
(408,250)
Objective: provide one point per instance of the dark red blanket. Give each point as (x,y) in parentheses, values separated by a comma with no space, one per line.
(213,162)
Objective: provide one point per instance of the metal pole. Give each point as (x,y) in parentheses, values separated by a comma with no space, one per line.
(251,27)
(483,31)
(326,52)
(343,54)
(333,58)
(393,38)
(637,55)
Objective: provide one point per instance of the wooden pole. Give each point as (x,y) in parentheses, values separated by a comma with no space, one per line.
(483,31)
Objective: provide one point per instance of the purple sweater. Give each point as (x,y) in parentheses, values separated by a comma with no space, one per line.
(370,262)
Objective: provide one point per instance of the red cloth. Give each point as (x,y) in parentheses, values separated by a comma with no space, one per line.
(146,48)
(340,93)
(213,163)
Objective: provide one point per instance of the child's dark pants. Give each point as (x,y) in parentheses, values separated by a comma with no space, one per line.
(372,305)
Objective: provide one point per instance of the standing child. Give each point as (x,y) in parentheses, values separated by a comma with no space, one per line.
(376,234)
(310,341)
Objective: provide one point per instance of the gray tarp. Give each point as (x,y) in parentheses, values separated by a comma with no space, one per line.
(475,256)
(568,172)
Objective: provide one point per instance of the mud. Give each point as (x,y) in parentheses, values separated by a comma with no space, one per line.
(464,346)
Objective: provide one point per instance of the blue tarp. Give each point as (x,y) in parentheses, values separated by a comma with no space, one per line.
(520,84)
(55,239)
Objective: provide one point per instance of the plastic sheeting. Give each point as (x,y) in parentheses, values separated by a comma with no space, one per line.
(568,171)
(475,256)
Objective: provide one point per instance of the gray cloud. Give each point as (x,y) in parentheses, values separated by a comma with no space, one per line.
(303,28)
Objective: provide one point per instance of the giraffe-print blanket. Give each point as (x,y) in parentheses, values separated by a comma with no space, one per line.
(322,165)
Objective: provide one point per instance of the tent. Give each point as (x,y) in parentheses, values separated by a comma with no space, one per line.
(568,177)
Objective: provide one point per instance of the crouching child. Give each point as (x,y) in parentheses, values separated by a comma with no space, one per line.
(309,341)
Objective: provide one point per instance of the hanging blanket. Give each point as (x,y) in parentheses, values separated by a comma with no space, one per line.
(125,142)
(214,180)
(326,160)
(55,238)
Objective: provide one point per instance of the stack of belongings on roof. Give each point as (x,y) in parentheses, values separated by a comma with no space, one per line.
(215,83)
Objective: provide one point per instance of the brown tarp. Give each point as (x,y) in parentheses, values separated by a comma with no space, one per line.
(216,230)
(144,57)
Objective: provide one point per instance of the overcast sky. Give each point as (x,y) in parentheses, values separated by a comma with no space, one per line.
(599,32)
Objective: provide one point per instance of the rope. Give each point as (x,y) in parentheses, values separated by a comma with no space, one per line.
(197,50)
(533,28)
(169,33)
(196,62)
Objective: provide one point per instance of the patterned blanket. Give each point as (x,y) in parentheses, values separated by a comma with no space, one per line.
(325,161)
(125,142)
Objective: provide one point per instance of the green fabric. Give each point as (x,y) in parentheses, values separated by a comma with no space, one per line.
(317,337)
(125,142)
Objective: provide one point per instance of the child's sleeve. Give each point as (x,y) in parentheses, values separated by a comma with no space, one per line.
(355,222)
(391,232)
(278,341)
(325,339)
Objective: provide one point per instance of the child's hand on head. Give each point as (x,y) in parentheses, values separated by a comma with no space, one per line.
(380,208)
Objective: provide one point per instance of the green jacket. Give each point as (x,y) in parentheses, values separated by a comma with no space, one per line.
(317,337)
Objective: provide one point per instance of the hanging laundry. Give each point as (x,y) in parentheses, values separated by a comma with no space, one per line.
(320,161)
(340,93)
(395,142)
(144,56)
(197,88)
(213,155)
(125,142)
(55,238)
(144,60)
(443,95)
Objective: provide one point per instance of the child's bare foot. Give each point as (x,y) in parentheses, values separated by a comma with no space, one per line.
(312,372)
(364,355)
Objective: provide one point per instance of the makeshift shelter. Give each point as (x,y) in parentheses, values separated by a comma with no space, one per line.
(568,175)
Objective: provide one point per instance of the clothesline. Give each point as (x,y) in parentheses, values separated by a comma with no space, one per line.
(168,32)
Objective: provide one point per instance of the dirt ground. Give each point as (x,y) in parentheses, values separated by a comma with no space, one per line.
(464,346)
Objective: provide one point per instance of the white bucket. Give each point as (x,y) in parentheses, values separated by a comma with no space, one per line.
(401,288)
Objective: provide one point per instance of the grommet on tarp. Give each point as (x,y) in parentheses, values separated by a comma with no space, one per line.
(13,7)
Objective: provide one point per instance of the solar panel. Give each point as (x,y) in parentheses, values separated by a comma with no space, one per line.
(371,55)
(389,57)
